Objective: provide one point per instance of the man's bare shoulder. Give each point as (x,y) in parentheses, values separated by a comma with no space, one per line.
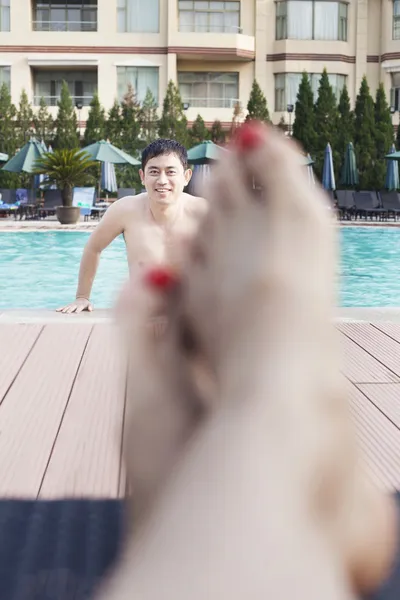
(130,204)
(195,206)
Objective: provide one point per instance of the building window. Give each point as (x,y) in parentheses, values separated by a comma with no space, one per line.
(287,86)
(209,90)
(4,15)
(311,20)
(395,91)
(396,19)
(138,16)
(5,76)
(209,17)
(65,15)
(141,79)
(81,84)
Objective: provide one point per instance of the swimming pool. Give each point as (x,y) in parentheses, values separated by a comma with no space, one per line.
(40,269)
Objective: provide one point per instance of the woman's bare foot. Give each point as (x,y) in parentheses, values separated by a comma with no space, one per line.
(241,453)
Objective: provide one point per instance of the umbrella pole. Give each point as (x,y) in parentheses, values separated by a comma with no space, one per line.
(99,187)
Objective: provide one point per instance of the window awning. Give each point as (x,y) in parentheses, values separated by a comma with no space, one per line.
(63,62)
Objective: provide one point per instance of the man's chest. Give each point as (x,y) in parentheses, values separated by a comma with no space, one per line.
(152,242)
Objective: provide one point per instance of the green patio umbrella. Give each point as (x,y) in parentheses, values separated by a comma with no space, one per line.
(349,174)
(205,153)
(105,152)
(393,156)
(24,160)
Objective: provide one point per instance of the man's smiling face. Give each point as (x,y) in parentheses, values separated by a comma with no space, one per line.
(164,178)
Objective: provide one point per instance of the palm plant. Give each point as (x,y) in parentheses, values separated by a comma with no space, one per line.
(66,169)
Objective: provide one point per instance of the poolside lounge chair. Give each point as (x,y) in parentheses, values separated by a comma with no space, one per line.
(345,203)
(367,205)
(7,203)
(390,203)
(17,202)
(52,199)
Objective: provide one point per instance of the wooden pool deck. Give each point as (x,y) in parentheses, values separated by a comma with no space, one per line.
(62,404)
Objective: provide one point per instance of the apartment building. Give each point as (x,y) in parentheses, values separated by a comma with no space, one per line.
(211,49)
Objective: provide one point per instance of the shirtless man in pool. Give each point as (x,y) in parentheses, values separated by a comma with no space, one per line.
(152,223)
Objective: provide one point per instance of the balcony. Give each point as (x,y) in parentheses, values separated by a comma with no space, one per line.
(52,100)
(64,25)
(212,31)
(47,84)
(209,102)
(212,46)
(65,16)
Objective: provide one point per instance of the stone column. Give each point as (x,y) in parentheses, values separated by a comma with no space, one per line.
(361,46)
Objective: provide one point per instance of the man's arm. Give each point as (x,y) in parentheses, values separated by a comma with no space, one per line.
(110,227)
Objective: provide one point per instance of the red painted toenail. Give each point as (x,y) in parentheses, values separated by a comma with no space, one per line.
(249,136)
(160,278)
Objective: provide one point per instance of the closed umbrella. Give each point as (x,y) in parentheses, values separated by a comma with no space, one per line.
(105,152)
(310,171)
(392,172)
(108,177)
(201,174)
(349,175)
(328,174)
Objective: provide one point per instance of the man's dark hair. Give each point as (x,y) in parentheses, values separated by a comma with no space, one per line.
(163,146)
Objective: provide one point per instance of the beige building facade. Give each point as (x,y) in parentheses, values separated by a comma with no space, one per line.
(211,49)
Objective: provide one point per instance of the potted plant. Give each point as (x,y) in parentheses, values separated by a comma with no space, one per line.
(65,169)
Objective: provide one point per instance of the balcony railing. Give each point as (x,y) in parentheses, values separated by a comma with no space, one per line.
(64,25)
(52,100)
(210,102)
(210,29)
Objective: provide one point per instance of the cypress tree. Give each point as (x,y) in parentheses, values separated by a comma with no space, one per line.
(44,123)
(66,124)
(173,123)
(325,122)
(217,133)
(365,136)
(199,132)
(130,137)
(304,122)
(257,105)
(24,119)
(96,122)
(345,128)
(113,126)
(148,118)
(384,136)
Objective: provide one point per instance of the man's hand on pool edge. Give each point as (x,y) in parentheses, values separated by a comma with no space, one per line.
(79,305)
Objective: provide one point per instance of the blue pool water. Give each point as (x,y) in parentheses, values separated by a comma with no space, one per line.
(40,269)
